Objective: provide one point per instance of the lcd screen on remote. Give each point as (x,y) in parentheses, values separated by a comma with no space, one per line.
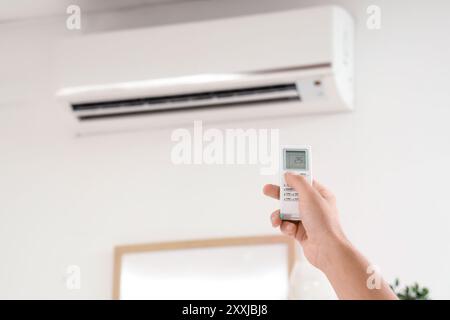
(296,160)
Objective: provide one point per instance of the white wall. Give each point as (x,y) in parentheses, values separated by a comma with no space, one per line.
(67,200)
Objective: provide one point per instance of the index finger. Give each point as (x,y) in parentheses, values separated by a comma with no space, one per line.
(272,190)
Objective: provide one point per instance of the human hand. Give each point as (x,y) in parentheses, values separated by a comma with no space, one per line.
(319,232)
(324,243)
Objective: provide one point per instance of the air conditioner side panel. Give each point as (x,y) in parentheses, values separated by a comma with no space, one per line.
(343,56)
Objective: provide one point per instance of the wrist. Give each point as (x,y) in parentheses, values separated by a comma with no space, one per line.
(336,248)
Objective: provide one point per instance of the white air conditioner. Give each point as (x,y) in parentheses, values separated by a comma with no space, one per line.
(277,64)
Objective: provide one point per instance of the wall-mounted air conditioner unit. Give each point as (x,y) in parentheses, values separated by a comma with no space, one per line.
(277,64)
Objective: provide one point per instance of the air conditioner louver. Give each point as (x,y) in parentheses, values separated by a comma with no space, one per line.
(170,103)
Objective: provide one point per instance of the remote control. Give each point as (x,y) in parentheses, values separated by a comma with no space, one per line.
(297,160)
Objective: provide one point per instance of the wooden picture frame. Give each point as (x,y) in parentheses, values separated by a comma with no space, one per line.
(120,251)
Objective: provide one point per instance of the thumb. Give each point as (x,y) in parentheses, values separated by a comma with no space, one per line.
(298,182)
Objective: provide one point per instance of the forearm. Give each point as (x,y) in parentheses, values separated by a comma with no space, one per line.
(346,269)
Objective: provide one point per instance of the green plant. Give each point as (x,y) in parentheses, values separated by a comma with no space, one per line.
(413,292)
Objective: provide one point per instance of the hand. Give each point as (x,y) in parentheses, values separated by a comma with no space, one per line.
(319,232)
(324,243)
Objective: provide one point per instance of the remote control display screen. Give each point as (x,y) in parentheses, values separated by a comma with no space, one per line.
(296,160)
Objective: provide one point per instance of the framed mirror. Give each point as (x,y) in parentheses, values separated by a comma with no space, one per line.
(226,268)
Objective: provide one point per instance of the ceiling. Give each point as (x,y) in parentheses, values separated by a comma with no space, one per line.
(28,9)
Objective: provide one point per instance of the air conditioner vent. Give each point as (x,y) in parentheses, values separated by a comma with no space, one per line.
(220,98)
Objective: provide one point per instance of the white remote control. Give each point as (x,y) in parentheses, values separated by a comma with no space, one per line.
(297,160)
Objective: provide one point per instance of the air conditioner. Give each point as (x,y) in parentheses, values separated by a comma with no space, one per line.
(259,66)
